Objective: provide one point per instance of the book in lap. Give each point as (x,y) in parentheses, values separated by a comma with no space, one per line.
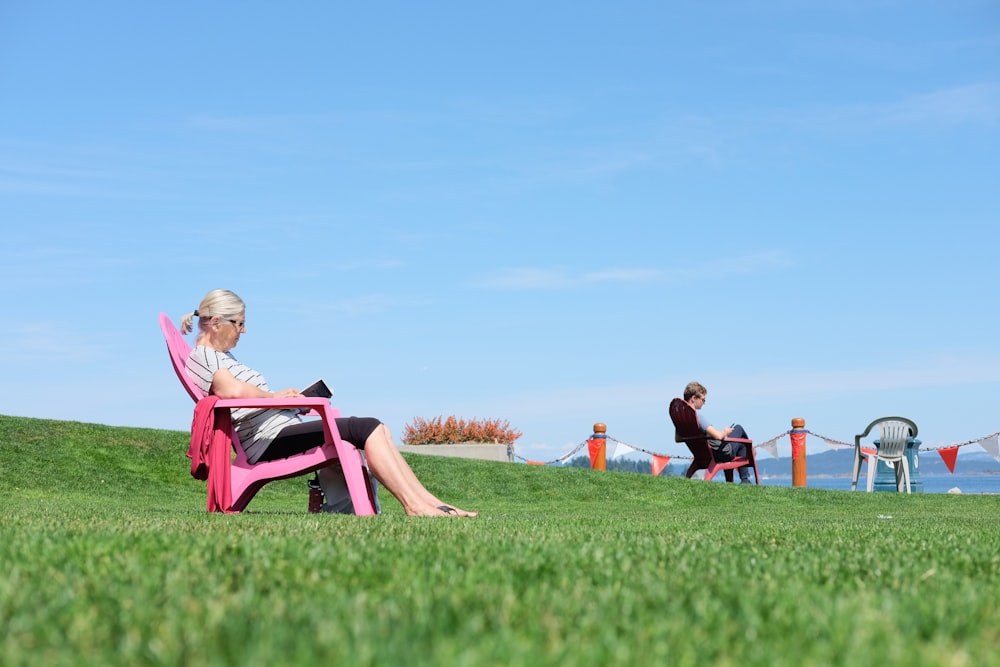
(318,389)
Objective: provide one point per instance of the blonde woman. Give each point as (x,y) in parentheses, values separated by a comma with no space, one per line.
(279,433)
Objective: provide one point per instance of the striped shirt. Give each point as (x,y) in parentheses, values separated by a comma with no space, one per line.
(255,427)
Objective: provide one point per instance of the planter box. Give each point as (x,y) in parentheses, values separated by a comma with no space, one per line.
(467,450)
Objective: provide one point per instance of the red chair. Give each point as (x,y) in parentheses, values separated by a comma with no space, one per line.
(687,431)
(247,479)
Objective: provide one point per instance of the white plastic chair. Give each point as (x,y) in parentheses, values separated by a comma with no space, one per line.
(894,433)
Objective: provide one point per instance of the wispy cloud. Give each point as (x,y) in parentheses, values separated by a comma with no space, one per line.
(45,341)
(975,103)
(940,371)
(972,104)
(46,169)
(56,265)
(368,265)
(337,309)
(257,124)
(758,262)
(562,278)
(64,183)
(886,53)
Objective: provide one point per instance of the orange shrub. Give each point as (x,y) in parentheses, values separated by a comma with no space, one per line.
(440,431)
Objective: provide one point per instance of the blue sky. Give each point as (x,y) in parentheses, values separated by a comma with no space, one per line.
(552,213)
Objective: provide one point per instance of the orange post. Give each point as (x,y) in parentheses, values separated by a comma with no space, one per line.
(798,436)
(597,446)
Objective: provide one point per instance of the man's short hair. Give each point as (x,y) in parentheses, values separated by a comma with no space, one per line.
(694,389)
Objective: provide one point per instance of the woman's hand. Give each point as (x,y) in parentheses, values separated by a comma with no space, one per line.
(286,393)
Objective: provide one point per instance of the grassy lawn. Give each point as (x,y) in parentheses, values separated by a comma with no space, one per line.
(109,558)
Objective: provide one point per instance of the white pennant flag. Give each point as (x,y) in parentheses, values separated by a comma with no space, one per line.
(833,444)
(770,447)
(621,449)
(990,445)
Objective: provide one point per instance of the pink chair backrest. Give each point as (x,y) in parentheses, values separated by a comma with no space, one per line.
(179,351)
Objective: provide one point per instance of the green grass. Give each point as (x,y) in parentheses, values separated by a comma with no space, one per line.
(109,558)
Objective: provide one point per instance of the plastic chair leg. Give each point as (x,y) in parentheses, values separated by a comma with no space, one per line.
(872,464)
(856,473)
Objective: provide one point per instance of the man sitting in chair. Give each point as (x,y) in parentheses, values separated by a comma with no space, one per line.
(694,395)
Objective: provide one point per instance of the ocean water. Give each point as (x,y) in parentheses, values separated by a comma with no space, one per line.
(932,483)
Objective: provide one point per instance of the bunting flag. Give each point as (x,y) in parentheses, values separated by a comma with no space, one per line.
(621,449)
(948,455)
(659,463)
(770,447)
(990,445)
(834,444)
(598,452)
(597,446)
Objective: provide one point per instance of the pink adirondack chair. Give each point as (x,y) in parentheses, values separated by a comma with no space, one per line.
(247,479)
(687,431)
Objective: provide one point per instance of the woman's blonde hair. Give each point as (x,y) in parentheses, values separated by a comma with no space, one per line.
(218,302)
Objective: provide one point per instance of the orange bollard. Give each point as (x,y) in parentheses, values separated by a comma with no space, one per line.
(597,446)
(798,436)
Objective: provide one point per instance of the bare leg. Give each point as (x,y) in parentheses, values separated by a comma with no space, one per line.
(390,468)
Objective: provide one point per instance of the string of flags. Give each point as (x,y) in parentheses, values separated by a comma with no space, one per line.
(598,451)
(948,453)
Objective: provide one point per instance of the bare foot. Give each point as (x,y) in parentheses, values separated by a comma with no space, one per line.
(448,510)
(441,511)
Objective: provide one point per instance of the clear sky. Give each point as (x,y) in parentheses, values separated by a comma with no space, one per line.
(554,213)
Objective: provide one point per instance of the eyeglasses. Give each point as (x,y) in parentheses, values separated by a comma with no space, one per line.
(238,325)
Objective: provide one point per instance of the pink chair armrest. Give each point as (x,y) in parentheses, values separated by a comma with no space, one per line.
(311,405)
(301,402)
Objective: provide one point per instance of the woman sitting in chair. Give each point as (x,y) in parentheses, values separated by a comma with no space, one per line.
(267,435)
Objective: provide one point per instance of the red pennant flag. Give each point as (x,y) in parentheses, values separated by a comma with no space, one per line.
(659,463)
(948,456)
(598,453)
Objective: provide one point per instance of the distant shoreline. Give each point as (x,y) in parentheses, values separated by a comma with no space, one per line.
(841,476)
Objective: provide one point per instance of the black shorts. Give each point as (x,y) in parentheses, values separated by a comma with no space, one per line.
(298,438)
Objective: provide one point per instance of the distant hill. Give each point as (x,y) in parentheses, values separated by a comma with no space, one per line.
(839,463)
(832,463)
